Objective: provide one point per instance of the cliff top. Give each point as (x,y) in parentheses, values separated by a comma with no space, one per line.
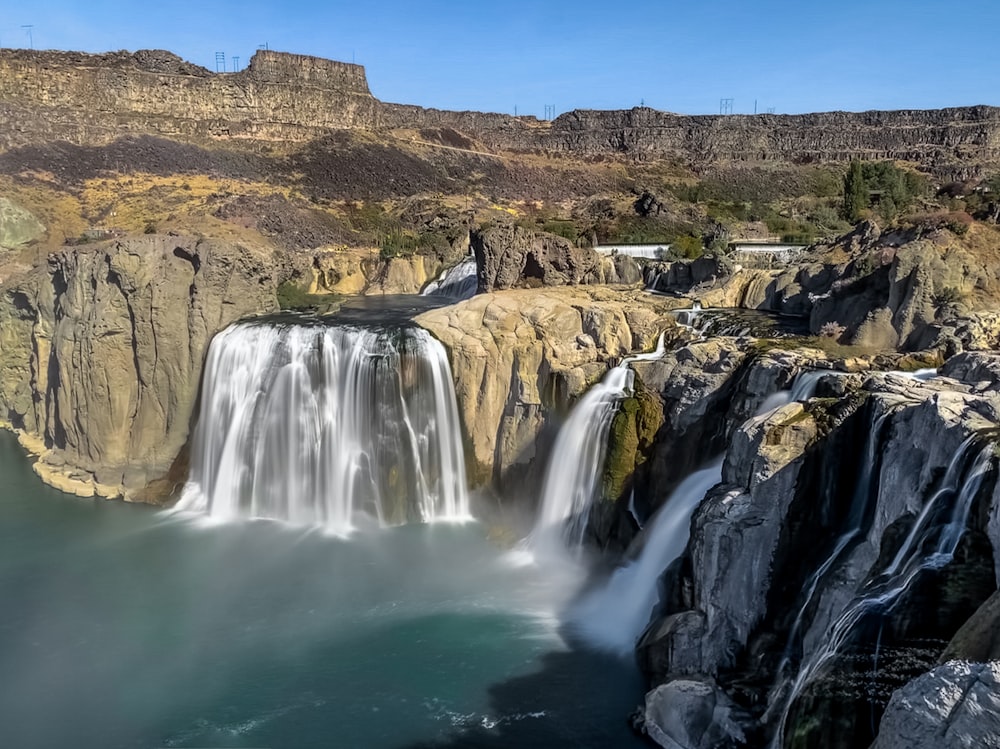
(266,65)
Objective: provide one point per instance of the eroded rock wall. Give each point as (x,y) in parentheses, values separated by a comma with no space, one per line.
(101,352)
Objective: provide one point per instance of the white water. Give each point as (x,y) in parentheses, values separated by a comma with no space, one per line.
(575,467)
(458,282)
(658,353)
(613,617)
(920,552)
(863,490)
(327,425)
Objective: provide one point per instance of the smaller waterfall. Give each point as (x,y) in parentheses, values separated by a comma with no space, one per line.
(574,469)
(613,617)
(657,353)
(458,282)
(930,545)
(863,491)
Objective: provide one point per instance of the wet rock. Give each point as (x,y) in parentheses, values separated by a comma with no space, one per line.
(687,714)
(955,705)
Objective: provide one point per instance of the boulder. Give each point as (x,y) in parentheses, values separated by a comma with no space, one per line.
(957,705)
(686,714)
(509,256)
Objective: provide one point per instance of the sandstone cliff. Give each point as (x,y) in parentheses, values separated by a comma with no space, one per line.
(520,357)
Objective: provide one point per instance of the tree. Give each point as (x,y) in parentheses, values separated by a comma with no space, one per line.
(856,193)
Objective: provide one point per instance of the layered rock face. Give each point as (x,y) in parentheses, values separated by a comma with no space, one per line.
(768,604)
(47,96)
(93,99)
(101,352)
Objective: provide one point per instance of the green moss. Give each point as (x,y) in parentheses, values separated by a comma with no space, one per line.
(293,297)
(630,439)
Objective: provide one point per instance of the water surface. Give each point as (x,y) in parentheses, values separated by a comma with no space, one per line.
(121,626)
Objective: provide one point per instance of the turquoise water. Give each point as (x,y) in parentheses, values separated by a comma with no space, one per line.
(121,626)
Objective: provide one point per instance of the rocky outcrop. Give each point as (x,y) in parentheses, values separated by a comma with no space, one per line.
(758,590)
(101,352)
(907,290)
(957,705)
(18,226)
(690,715)
(510,256)
(518,358)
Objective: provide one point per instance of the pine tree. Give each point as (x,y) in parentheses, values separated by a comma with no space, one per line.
(855,192)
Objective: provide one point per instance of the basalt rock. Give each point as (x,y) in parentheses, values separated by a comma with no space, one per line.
(957,705)
(509,256)
(789,480)
(101,352)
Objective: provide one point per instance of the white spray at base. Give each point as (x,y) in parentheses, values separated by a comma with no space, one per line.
(324,425)
(613,617)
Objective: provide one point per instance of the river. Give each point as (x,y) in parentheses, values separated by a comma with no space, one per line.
(125,626)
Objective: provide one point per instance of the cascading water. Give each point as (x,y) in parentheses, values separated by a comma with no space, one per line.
(930,545)
(458,282)
(863,492)
(315,425)
(614,617)
(575,466)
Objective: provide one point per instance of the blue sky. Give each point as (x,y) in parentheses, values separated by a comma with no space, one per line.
(679,56)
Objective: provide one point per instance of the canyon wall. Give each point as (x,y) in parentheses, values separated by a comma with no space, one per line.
(89,99)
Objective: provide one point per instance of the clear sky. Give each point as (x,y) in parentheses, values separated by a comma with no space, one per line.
(792,55)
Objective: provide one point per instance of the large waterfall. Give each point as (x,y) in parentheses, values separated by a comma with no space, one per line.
(325,425)
(574,470)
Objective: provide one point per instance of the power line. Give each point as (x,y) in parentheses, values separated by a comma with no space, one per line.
(28,27)
(220,62)
(725,106)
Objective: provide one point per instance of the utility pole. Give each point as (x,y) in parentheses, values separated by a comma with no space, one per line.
(236,63)
(220,62)
(28,27)
(725,106)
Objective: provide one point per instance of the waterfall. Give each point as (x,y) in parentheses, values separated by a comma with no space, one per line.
(863,491)
(613,617)
(574,469)
(458,282)
(316,425)
(930,545)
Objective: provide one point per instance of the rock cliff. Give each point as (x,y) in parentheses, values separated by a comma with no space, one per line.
(520,357)
(817,499)
(90,99)
(101,352)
